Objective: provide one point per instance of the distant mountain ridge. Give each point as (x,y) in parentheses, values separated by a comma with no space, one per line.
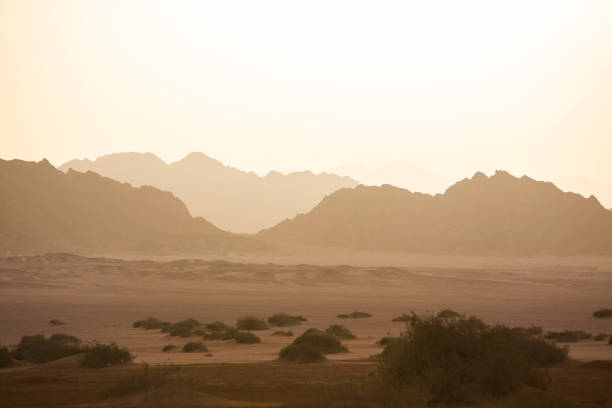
(501,214)
(45,210)
(230,198)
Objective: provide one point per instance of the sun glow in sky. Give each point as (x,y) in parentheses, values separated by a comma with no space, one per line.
(452,87)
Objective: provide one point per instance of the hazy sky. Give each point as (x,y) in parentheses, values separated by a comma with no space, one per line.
(451,86)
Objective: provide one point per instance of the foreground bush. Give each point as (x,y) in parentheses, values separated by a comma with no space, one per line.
(282,333)
(184,328)
(147,379)
(39,349)
(323,342)
(195,347)
(150,323)
(5,357)
(568,336)
(284,319)
(302,353)
(105,355)
(340,332)
(251,323)
(603,313)
(354,315)
(463,360)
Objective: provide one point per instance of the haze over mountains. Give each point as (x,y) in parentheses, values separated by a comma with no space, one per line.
(399,173)
(231,199)
(501,214)
(45,210)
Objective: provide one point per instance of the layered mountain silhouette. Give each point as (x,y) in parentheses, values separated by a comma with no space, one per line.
(230,198)
(46,210)
(501,214)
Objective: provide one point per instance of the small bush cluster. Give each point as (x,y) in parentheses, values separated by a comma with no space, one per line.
(600,337)
(5,357)
(448,314)
(463,360)
(55,322)
(245,337)
(251,323)
(402,318)
(195,347)
(105,355)
(169,347)
(302,353)
(567,336)
(603,313)
(284,319)
(150,323)
(325,343)
(340,332)
(354,315)
(184,328)
(282,333)
(40,349)
(384,341)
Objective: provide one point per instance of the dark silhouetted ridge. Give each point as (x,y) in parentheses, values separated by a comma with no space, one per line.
(45,210)
(501,214)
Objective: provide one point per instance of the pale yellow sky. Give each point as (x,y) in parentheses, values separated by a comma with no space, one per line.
(453,87)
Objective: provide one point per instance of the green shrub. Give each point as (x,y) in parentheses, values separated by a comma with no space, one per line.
(150,323)
(245,337)
(38,349)
(251,323)
(105,355)
(5,357)
(195,347)
(603,313)
(288,333)
(354,315)
(448,314)
(147,379)
(463,360)
(216,326)
(284,319)
(184,328)
(568,336)
(340,332)
(402,318)
(55,322)
(323,342)
(169,347)
(302,353)
(600,337)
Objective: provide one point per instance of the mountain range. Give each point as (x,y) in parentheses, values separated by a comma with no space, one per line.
(231,199)
(46,210)
(497,215)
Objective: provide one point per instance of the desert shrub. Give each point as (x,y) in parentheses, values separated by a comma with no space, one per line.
(354,315)
(5,357)
(184,328)
(402,318)
(55,322)
(603,313)
(150,323)
(610,340)
(251,323)
(146,379)
(39,349)
(538,378)
(384,341)
(323,342)
(600,337)
(195,347)
(284,319)
(463,360)
(567,336)
(533,330)
(245,337)
(169,347)
(288,333)
(302,353)
(99,355)
(340,332)
(216,326)
(448,314)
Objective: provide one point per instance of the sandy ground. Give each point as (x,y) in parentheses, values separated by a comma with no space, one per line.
(100,298)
